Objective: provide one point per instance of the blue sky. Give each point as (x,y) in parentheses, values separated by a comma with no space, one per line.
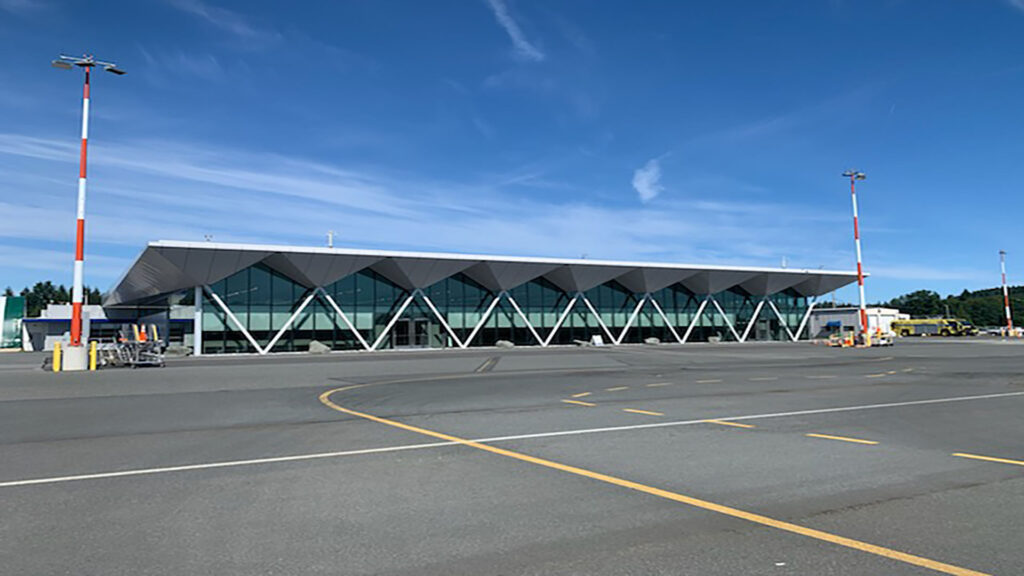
(702,132)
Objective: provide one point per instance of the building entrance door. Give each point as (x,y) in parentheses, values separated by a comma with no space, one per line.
(419,333)
(410,333)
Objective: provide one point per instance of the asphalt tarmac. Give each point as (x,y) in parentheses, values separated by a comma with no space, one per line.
(731,459)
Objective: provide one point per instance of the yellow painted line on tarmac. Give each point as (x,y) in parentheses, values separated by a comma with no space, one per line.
(727,423)
(883,374)
(821,377)
(659,384)
(579,402)
(908,369)
(708,381)
(616,388)
(842,439)
(764,379)
(754,518)
(581,394)
(892,372)
(989,459)
(647,412)
(488,365)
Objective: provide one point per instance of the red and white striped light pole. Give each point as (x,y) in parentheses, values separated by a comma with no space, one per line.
(88,63)
(854,175)
(1006,294)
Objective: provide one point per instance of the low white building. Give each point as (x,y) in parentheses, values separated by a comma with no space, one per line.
(54,325)
(825,321)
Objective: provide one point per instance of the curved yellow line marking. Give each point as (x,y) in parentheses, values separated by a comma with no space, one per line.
(989,458)
(645,412)
(727,423)
(325,398)
(842,439)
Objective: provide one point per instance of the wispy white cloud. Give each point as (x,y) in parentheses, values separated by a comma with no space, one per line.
(150,189)
(202,65)
(647,180)
(523,47)
(224,19)
(1018,4)
(46,260)
(922,273)
(293,178)
(483,127)
(838,108)
(23,7)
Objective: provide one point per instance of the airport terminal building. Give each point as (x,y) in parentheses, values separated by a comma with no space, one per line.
(244,298)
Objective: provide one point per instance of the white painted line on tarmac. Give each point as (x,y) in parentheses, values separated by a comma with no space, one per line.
(748,417)
(324,455)
(227,464)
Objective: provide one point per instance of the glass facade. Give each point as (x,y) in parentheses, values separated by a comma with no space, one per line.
(263,300)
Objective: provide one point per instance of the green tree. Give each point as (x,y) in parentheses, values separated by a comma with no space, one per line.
(920,304)
(981,307)
(43,293)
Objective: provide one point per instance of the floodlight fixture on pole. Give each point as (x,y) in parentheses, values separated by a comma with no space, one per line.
(1006,294)
(67,62)
(86,62)
(854,176)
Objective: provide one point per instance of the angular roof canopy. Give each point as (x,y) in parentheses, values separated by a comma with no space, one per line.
(166,267)
(765,284)
(498,276)
(653,279)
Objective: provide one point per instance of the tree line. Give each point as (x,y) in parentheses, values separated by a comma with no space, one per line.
(43,293)
(981,307)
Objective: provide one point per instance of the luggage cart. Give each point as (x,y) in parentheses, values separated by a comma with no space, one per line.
(141,347)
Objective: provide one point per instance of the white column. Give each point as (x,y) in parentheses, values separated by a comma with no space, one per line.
(391,323)
(197,322)
(632,317)
(600,322)
(752,321)
(231,315)
(287,325)
(696,317)
(667,321)
(519,311)
(725,318)
(344,317)
(440,318)
(483,319)
(807,316)
(782,320)
(551,335)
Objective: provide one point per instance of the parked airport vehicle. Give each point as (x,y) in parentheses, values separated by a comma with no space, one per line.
(934,327)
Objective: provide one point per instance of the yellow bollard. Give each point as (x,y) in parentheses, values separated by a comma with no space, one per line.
(92,355)
(56,356)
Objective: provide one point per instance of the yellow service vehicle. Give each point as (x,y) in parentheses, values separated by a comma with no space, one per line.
(934,327)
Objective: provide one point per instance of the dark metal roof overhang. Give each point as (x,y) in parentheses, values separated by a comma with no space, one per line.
(166,267)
